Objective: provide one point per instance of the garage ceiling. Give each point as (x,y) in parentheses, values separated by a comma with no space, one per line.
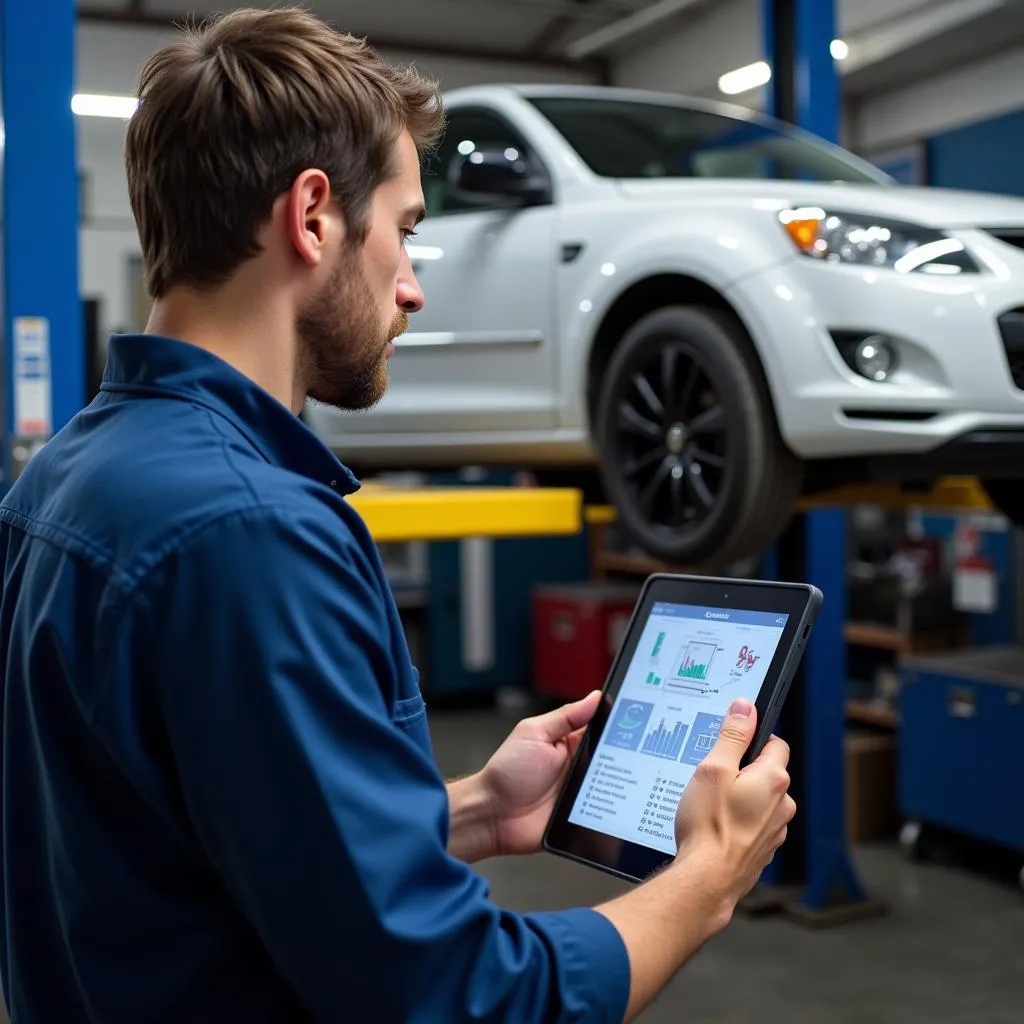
(892,41)
(930,37)
(539,30)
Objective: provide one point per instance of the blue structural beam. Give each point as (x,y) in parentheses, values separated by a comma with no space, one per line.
(816,82)
(804,89)
(43,352)
(830,877)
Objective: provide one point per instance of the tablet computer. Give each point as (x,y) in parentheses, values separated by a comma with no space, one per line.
(692,646)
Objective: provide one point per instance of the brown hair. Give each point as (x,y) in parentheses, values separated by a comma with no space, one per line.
(231,113)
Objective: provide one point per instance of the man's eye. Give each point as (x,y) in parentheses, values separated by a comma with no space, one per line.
(406,234)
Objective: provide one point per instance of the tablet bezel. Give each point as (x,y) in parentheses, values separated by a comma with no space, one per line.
(800,602)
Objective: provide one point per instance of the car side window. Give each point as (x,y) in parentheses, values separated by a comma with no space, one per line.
(466,131)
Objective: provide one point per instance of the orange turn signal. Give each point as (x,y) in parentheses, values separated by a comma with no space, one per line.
(804,233)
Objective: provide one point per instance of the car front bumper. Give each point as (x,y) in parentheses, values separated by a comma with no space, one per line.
(953,381)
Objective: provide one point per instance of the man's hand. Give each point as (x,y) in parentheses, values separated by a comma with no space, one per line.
(735,819)
(523,778)
(728,826)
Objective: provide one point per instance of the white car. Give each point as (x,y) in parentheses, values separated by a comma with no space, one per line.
(714,309)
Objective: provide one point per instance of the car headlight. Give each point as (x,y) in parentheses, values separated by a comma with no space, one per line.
(875,242)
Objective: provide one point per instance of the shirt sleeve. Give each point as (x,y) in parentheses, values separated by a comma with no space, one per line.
(325,819)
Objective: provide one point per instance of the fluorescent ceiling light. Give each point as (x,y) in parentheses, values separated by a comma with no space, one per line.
(86,104)
(839,49)
(744,79)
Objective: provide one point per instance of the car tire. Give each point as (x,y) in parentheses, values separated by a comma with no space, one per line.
(700,479)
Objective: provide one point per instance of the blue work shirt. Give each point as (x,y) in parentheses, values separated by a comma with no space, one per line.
(220,801)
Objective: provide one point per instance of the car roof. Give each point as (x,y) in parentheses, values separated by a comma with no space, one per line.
(596,92)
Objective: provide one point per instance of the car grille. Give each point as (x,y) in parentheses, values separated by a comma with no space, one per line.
(1011,328)
(1011,236)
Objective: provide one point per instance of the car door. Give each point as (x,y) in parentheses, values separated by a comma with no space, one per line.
(480,355)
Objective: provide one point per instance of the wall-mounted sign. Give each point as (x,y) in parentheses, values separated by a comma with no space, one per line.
(33,397)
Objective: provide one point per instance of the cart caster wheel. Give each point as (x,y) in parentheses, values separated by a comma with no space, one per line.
(911,839)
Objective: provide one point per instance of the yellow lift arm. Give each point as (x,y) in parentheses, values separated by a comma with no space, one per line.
(396,514)
(956,494)
(953,493)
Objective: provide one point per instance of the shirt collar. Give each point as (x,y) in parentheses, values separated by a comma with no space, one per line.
(151,364)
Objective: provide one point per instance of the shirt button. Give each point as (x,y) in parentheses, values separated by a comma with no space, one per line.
(334,483)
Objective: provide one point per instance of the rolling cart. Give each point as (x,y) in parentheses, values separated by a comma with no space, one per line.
(961,751)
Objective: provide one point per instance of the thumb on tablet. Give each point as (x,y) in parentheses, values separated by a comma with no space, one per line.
(735,734)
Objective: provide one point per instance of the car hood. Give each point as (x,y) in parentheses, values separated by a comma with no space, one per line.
(933,207)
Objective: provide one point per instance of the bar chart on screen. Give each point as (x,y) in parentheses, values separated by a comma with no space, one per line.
(661,742)
(695,660)
(656,649)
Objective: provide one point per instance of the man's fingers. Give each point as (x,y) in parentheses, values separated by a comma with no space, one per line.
(775,753)
(563,721)
(572,741)
(734,734)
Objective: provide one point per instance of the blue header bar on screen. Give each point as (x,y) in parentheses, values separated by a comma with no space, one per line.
(737,616)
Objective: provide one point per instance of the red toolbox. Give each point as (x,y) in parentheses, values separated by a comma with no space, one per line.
(577,629)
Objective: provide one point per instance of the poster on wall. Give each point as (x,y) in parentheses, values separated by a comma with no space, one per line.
(33,412)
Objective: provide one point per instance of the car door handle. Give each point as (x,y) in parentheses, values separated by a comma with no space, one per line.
(571,250)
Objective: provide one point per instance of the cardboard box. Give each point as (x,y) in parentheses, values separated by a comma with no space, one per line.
(872,811)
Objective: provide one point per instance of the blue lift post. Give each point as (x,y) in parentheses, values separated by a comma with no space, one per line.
(43,354)
(813,879)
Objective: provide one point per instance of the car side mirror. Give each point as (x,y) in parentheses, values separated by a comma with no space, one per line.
(501,173)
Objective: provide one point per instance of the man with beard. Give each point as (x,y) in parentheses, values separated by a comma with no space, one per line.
(219,799)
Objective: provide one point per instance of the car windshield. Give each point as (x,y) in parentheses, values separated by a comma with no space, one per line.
(636,139)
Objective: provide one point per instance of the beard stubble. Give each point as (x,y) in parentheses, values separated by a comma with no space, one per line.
(342,345)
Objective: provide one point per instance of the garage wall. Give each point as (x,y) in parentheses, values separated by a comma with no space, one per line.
(110,57)
(109,60)
(973,92)
(690,58)
(986,156)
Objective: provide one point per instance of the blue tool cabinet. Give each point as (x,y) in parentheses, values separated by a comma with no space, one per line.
(961,749)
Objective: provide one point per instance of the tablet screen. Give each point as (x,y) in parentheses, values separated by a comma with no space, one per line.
(691,662)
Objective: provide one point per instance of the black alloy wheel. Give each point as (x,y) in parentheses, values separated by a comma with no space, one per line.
(690,453)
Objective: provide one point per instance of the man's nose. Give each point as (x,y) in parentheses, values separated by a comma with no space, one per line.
(410,296)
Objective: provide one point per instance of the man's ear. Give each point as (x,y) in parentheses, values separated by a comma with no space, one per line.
(310,215)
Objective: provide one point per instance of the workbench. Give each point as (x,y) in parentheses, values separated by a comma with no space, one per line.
(961,751)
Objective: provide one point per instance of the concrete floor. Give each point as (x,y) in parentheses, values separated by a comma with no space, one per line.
(950,951)
(951,948)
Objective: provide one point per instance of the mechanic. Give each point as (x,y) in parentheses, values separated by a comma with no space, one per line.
(219,797)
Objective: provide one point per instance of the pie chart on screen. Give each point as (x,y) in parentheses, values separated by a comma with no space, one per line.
(633,716)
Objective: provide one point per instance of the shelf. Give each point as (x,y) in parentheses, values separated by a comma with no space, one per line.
(865,713)
(888,638)
(640,565)
(883,638)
